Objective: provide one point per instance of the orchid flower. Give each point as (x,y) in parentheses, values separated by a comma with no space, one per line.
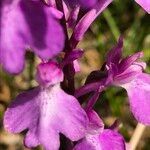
(46,111)
(28,24)
(98,138)
(126,73)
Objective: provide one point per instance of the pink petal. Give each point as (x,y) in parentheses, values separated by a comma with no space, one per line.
(139,97)
(49,74)
(96,124)
(107,140)
(111,140)
(114,55)
(145,4)
(76,66)
(23,111)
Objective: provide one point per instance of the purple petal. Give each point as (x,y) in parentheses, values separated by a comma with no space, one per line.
(96,124)
(72,3)
(99,139)
(46,113)
(76,66)
(72,56)
(50,2)
(73,17)
(88,18)
(111,140)
(49,74)
(12,58)
(114,55)
(139,97)
(88,4)
(145,4)
(91,142)
(56,13)
(23,111)
(128,61)
(130,73)
(31,138)
(27,24)
(107,140)
(83,3)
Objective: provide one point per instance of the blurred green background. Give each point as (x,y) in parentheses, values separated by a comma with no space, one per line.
(121,18)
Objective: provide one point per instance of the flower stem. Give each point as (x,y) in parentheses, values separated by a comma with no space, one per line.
(137,136)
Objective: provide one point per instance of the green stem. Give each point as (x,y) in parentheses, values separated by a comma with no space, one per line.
(112,24)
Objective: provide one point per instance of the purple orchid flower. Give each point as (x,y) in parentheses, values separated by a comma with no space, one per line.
(145,4)
(98,138)
(126,73)
(46,111)
(28,24)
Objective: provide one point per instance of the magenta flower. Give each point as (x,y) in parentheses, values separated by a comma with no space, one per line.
(46,111)
(128,73)
(98,138)
(28,24)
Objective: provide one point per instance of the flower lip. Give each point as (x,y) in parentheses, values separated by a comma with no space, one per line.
(49,74)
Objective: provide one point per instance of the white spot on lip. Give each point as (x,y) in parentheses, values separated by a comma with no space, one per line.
(48,105)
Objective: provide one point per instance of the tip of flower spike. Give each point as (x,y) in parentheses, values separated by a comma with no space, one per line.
(115,54)
(49,74)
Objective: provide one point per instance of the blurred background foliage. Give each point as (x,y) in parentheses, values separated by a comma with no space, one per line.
(124,18)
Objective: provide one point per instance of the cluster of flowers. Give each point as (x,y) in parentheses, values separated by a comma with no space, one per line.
(53,107)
